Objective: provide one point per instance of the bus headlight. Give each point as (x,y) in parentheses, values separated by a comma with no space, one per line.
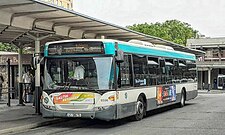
(50,107)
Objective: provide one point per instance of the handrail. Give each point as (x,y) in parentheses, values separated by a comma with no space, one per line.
(10,90)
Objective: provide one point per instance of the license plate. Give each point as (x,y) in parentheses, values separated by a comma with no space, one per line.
(73,115)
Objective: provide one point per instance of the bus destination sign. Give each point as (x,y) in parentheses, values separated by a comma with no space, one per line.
(76,48)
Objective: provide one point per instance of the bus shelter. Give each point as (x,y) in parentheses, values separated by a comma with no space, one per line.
(31,23)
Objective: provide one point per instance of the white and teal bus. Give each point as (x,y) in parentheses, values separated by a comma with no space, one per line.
(110,79)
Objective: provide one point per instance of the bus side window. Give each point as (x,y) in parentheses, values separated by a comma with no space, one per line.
(190,72)
(162,70)
(125,73)
(183,69)
(169,65)
(153,71)
(140,70)
(176,72)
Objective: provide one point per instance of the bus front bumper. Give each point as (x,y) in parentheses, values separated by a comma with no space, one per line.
(105,114)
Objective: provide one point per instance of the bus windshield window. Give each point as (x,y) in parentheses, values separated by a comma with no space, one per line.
(79,73)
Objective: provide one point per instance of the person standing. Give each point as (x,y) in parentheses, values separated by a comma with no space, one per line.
(27,77)
(79,72)
(1,82)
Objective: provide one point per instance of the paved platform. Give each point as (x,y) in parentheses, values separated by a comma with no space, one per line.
(211,91)
(20,118)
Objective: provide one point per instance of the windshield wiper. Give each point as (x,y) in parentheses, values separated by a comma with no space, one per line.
(95,90)
(74,88)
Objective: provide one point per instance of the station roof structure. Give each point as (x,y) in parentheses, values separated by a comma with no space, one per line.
(22,18)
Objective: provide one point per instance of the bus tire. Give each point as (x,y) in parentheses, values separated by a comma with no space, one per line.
(141,109)
(182,99)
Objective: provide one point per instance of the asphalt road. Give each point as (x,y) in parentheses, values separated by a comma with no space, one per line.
(204,115)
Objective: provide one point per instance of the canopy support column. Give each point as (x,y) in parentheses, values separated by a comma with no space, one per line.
(20,83)
(37,40)
(37,77)
(209,79)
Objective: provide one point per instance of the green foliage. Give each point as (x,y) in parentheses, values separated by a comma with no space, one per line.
(8,47)
(171,30)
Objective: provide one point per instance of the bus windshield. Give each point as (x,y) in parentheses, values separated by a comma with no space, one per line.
(94,73)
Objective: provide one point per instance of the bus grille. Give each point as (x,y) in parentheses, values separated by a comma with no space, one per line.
(74,107)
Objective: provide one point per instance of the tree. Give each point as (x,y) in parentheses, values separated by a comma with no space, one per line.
(171,30)
(8,47)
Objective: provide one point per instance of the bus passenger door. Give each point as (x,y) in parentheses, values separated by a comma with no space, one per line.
(124,81)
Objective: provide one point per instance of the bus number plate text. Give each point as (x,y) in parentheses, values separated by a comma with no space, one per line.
(73,115)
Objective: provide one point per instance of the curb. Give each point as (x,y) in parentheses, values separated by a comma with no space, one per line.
(30,126)
(211,92)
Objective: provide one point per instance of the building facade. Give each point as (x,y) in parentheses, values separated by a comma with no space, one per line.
(211,66)
(4,56)
(68,4)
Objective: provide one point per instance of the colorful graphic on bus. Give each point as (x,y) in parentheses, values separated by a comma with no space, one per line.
(165,94)
(66,98)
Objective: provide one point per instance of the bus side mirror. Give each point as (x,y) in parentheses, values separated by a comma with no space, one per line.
(34,62)
(119,56)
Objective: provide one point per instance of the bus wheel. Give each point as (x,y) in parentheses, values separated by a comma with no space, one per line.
(140,109)
(182,100)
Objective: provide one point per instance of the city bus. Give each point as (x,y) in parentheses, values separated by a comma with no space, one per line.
(109,79)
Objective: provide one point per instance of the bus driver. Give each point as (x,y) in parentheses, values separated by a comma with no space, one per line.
(79,72)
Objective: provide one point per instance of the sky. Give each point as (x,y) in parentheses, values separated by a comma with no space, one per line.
(206,16)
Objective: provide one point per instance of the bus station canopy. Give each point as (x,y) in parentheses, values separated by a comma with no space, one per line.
(22,18)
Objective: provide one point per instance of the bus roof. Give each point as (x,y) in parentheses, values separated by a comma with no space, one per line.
(80,40)
(155,51)
(135,48)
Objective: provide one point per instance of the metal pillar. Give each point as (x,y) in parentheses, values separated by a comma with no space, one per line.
(209,79)
(201,79)
(9,86)
(37,77)
(20,65)
(20,50)
(37,40)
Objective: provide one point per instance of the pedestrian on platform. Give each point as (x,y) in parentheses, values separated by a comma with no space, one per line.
(27,78)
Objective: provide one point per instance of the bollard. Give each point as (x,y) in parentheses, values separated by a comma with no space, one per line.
(9,97)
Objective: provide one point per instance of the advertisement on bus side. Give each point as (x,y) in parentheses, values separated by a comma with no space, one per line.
(165,94)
